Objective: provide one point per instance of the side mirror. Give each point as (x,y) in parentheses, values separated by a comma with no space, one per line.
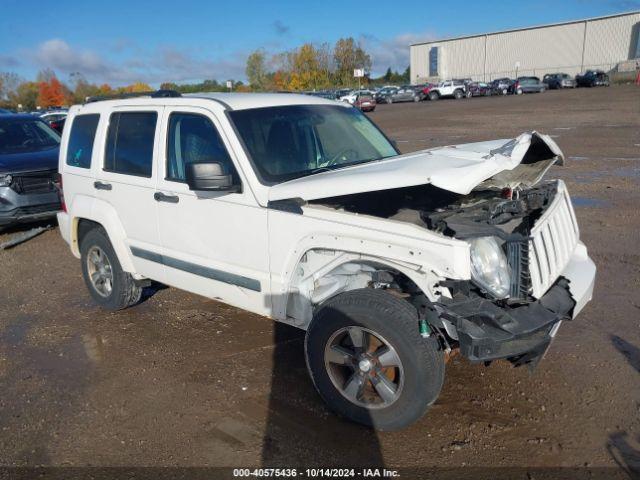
(210,176)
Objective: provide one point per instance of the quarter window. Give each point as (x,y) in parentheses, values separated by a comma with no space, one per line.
(193,139)
(129,147)
(80,148)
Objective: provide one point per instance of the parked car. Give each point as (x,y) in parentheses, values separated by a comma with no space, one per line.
(502,86)
(353,95)
(300,209)
(405,93)
(365,102)
(342,92)
(53,115)
(28,169)
(5,111)
(450,88)
(558,80)
(426,88)
(592,78)
(479,89)
(528,85)
(58,125)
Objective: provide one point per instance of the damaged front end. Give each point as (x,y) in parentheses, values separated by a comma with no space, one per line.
(523,234)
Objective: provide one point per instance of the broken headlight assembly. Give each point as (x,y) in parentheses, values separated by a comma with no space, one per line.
(5,180)
(489,267)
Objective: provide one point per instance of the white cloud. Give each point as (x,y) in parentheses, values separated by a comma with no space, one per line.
(168,64)
(162,65)
(393,52)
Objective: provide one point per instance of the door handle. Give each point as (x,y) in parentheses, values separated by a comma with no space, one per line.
(161,197)
(101,186)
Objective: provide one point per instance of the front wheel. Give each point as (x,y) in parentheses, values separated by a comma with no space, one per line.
(368,361)
(389,100)
(434,96)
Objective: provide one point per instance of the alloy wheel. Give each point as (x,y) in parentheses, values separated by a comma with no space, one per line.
(100,271)
(364,367)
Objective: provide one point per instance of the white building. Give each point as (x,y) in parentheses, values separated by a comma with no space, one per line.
(568,47)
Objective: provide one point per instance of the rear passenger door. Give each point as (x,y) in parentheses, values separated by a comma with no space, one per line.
(127,181)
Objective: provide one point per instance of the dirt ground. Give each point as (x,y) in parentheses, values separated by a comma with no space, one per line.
(183,381)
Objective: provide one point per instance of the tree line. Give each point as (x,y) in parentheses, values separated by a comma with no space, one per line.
(48,91)
(315,67)
(308,67)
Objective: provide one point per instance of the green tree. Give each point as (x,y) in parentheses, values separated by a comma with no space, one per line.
(256,70)
(348,55)
(26,94)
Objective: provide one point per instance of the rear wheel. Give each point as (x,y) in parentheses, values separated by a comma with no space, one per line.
(458,94)
(368,361)
(519,91)
(110,286)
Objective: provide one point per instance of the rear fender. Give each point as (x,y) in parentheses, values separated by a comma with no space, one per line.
(99,211)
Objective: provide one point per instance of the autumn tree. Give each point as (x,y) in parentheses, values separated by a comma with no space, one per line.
(51,93)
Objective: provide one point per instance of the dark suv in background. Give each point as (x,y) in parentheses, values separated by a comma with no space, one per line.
(28,169)
(592,78)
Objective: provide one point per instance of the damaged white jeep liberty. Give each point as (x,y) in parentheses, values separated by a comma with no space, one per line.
(300,209)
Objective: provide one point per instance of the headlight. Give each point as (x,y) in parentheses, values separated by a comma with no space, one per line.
(5,180)
(489,268)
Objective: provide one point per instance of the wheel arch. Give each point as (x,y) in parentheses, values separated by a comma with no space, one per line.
(322,273)
(86,215)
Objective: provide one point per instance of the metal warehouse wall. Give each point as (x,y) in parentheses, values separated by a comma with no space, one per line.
(571,48)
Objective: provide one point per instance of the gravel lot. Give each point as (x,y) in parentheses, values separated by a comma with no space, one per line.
(180,380)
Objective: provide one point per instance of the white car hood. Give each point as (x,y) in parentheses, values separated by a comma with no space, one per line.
(457,168)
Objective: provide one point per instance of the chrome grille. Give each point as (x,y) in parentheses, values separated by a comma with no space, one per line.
(553,239)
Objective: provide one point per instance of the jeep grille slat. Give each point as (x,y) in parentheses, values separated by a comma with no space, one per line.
(553,240)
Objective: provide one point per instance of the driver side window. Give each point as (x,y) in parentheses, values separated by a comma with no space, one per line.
(192,138)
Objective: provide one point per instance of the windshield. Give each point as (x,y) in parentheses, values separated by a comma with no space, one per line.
(26,135)
(294,141)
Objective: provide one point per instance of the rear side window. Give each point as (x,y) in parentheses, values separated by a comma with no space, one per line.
(193,139)
(129,147)
(80,148)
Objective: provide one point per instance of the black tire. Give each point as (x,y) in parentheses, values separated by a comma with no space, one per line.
(434,96)
(458,94)
(124,291)
(395,320)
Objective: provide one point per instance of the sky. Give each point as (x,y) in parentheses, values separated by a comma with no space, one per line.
(123,41)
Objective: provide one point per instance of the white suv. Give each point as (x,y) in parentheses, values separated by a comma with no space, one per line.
(450,88)
(300,209)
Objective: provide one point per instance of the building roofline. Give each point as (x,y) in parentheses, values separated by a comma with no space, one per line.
(570,22)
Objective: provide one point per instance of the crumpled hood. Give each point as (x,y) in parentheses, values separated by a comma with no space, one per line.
(521,161)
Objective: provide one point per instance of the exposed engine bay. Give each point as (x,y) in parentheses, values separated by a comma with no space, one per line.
(503,213)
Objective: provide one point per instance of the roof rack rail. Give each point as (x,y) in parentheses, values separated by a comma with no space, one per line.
(152,94)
